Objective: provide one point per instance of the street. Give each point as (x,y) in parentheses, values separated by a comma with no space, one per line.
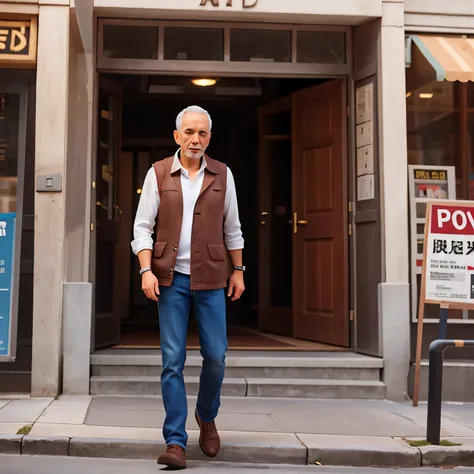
(71,465)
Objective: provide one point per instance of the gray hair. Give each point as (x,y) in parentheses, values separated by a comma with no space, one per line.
(195,109)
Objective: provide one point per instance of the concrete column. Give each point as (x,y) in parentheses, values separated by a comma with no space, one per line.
(394,302)
(51,146)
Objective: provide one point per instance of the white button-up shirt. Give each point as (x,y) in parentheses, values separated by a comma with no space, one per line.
(149,205)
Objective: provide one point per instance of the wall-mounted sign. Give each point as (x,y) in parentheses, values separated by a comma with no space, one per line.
(7,258)
(365,143)
(18,41)
(229,3)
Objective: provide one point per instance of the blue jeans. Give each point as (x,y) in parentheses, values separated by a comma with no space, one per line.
(210,310)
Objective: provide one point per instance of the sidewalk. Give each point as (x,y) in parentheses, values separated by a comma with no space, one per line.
(285,431)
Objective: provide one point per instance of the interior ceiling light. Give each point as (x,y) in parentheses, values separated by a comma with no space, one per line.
(426,95)
(204,82)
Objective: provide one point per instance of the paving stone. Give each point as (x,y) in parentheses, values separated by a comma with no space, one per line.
(33,445)
(69,409)
(9,428)
(359,451)
(10,444)
(27,410)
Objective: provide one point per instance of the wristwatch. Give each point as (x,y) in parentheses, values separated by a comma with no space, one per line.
(143,270)
(240,268)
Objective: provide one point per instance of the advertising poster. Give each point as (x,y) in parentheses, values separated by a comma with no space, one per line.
(7,258)
(449,260)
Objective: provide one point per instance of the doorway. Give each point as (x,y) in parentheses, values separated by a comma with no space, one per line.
(285,142)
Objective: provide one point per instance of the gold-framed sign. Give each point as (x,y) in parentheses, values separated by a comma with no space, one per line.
(18,43)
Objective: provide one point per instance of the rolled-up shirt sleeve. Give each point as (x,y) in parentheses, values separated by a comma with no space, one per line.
(147,211)
(232,227)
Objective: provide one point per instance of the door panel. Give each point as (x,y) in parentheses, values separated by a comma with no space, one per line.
(275,256)
(320,256)
(107,314)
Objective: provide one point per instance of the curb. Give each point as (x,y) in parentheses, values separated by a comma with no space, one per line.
(447,456)
(394,454)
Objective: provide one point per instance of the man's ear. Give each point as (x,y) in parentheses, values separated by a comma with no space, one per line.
(176,137)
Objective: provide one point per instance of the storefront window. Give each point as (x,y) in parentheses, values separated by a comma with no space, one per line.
(260,45)
(194,44)
(433,127)
(134,42)
(9,122)
(440,132)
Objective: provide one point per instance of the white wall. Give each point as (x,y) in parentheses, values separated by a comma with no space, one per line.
(50,158)
(78,160)
(455,16)
(394,302)
(337,11)
(440,7)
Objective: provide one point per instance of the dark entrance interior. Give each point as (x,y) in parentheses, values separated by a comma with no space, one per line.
(284,142)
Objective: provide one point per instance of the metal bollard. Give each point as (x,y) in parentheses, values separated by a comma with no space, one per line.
(435,385)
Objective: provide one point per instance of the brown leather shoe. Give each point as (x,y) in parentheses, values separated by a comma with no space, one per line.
(174,457)
(209,438)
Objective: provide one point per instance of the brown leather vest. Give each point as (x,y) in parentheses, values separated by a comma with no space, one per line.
(210,262)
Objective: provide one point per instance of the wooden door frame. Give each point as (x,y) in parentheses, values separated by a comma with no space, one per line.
(348,190)
(101,83)
(348,138)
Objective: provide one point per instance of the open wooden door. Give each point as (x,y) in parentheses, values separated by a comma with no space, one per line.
(320,227)
(275,299)
(109,119)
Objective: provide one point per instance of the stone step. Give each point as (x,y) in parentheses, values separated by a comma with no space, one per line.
(344,366)
(254,387)
(331,373)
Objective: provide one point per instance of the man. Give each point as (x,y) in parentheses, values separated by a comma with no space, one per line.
(189,201)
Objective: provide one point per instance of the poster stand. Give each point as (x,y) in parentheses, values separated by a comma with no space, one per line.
(454,208)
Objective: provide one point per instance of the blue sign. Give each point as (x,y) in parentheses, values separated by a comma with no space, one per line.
(7,259)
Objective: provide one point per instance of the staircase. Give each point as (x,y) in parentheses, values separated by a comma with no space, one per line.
(248,374)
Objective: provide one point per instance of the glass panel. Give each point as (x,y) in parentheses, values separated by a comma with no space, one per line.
(260,45)
(324,47)
(136,42)
(194,44)
(9,130)
(433,126)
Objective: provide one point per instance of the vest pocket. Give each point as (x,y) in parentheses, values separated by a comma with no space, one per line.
(217,252)
(158,249)
(161,261)
(215,269)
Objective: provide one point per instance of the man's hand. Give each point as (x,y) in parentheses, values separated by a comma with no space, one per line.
(150,286)
(236,285)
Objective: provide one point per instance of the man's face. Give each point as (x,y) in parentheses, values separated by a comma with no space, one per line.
(194,136)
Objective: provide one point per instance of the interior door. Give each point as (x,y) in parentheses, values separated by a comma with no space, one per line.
(275,299)
(107,314)
(320,227)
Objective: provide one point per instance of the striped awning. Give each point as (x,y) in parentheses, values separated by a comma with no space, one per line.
(452,58)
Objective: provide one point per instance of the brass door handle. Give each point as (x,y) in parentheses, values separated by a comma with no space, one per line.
(297,222)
